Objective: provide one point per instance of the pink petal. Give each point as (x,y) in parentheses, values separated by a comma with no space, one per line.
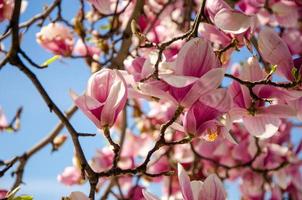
(178,81)
(232,21)
(219,99)
(195,58)
(252,71)
(262,126)
(115,101)
(86,104)
(212,189)
(213,34)
(154,91)
(274,50)
(196,189)
(205,84)
(184,183)
(282,111)
(149,196)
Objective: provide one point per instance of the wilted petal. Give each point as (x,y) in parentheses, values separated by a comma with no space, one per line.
(275,51)
(212,189)
(232,21)
(262,126)
(184,183)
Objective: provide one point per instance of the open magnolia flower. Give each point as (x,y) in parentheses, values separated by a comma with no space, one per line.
(210,189)
(56,38)
(196,72)
(258,118)
(105,97)
(203,117)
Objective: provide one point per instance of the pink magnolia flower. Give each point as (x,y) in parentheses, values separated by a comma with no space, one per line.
(203,117)
(260,120)
(195,73)
(56,38)
(274,50)
(227,19)
(70,176)
(211,188)
(105,98)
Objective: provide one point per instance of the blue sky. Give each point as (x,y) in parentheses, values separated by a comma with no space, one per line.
(16,90)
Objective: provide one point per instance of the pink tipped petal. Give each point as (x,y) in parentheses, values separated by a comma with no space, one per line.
(149,196)
(212,189)
(184,183)
(262,126)
(206,83)
(274,50)
(232,21)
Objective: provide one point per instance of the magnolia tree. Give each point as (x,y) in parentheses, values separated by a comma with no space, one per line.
(197,119)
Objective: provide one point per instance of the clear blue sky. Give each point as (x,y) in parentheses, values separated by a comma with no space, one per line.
(16,90)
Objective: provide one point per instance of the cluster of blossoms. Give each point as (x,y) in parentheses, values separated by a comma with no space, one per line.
(225,121)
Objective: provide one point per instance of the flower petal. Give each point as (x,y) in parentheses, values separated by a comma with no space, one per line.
(274,50)
(184,183)
(232,21)
(211,80)
(213,189)
(262,126)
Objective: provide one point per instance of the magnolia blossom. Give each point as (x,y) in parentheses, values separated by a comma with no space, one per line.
(195,73)
(70,176)
(275,51)
(211,188)
(56,38)
(203,117)
(260,120)
(105,97)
